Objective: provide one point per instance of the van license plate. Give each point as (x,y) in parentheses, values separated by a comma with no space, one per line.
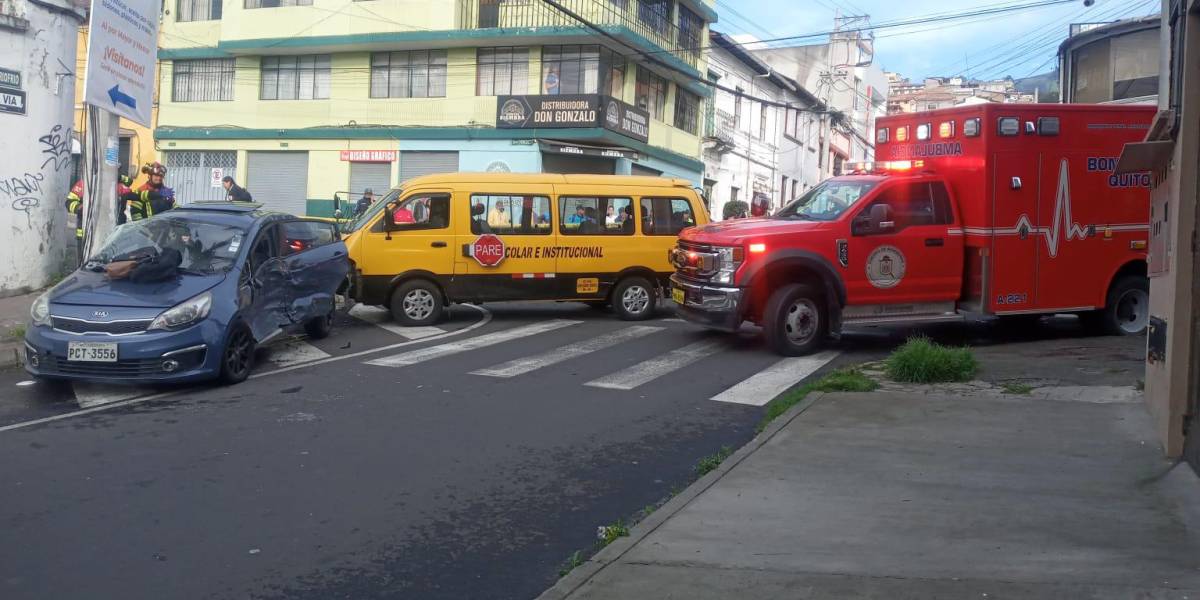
(677,295)
(91,351)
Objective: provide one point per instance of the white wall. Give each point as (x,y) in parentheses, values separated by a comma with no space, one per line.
(36,171)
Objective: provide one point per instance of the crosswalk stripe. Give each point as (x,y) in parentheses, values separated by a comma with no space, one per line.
(654,368)
(293,352)
(763,386)
(88,394)
(524,365)
(382,318)
(417,356)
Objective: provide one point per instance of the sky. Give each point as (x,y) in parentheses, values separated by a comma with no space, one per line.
(1013,43)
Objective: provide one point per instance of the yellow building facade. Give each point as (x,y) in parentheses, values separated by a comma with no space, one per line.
(305,100)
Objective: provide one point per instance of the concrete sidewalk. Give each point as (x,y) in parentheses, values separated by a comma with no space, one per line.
(14,316)
(896,494)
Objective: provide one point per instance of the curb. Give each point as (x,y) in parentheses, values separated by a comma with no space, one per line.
(581,575)
(10,354)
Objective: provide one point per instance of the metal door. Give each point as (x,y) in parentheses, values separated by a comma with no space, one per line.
(415,164)
(190,173)
(279,180)
(376,177)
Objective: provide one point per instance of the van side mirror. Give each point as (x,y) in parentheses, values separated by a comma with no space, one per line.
(389,215)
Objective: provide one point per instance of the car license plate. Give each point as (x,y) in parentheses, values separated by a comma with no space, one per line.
(677,295)
(92,351)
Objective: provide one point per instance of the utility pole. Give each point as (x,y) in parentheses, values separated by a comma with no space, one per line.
(100,162)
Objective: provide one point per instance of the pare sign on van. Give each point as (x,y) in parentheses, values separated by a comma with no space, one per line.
(122,47)
(487,250)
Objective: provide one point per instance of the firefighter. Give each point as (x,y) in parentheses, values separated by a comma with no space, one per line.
(152,197)
(75,206)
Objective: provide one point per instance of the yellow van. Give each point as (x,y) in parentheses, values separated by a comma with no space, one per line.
(489,237)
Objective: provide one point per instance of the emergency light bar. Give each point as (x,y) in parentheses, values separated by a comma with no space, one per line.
(867,167)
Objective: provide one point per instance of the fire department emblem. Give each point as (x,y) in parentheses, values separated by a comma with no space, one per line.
(885,267)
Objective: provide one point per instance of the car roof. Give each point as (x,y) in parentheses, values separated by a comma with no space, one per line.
(551,178)
(227,213)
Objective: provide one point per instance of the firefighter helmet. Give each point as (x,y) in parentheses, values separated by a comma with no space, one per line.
(154,168)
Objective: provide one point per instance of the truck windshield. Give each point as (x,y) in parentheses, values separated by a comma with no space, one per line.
(826,202)
(357,221)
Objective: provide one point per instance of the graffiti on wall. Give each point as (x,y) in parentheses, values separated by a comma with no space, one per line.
(23,192)
(56,148)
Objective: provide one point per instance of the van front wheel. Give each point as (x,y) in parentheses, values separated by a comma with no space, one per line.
(417,303)
(634,298)
(795,320)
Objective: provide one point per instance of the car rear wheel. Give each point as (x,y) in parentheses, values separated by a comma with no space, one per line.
(237,358)
(795,320)
(417,303)
(634,298)
(320,327)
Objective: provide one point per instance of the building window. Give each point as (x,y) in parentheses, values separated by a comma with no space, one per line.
(295,77)
(691,29)
(202,80)
(275,3)
(655,13)
(687,110)
(502,71)
(582,70)
(737,109)
(197,10)
(651,93)
(409,74)
(762,122)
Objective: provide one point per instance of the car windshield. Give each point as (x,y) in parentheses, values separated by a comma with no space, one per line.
(827,201)
(206,247)
(357,221)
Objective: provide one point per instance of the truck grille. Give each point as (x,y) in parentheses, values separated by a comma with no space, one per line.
(695,261)
(69,325)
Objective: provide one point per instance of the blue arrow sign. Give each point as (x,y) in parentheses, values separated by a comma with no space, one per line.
(119,97)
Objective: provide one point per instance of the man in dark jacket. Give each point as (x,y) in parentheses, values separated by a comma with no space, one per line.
(365,202)
(235,192)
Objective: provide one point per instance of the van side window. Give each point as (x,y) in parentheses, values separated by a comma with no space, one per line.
(510,215)
(666,216)
(299,236)
(422,211)
(596,216)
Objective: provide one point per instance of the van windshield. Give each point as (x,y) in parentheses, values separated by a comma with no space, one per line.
(827,201)
(357,221)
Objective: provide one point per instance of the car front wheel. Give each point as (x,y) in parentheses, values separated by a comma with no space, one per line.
(795,320)
(237,358)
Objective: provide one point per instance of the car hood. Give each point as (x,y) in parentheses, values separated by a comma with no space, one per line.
(735,231)
(95,289)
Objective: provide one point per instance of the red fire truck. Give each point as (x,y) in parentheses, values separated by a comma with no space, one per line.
(997,209)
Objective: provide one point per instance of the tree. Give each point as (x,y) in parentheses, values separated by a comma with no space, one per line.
(735,209)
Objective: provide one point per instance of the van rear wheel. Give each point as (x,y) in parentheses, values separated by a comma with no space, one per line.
(634,299)
(795,320)
(417,303)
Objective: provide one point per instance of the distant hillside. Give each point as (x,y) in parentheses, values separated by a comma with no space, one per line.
(1046,85)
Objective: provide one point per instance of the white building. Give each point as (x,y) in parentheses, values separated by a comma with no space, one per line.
(843,75)
(755,150)
(37,94)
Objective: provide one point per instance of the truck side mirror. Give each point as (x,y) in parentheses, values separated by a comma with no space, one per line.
(881,218)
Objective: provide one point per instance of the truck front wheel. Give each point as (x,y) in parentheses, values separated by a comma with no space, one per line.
(795,320)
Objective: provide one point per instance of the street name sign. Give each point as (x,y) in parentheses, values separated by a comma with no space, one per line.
(122,47)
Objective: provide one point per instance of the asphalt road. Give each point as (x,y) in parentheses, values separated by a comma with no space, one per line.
(464,462)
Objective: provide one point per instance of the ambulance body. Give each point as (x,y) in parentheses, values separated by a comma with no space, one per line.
(999,209)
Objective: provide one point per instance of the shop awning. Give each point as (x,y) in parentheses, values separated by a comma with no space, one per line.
(1154,152)
(557,147)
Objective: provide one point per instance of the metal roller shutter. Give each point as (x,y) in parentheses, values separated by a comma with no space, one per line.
(416,164)
(368,175)
(279,180)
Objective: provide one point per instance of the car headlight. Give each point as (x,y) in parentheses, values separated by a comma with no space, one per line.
(39,313)
(728,261)
(184,313)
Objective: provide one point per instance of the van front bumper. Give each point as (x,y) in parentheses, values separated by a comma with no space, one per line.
(711,306)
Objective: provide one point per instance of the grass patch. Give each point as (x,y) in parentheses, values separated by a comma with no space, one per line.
(709,463)
(572,561)
(17,332)
(849,379)
(921,361)
(609,533)
(1021,389)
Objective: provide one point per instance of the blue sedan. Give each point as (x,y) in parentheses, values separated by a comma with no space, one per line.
(234,277)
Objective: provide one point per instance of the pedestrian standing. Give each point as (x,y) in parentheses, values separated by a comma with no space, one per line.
(235,192)
(368,198)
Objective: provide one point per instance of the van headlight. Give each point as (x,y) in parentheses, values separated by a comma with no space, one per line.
(184,313)
(729,258)
(39,313)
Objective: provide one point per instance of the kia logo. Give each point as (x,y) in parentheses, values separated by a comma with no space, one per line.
(100,314)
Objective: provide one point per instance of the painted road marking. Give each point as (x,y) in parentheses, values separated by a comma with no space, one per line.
(521,366)
(765,385)
(293,352)
(441,350)
(654,368)
(89,395)
(382,318)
